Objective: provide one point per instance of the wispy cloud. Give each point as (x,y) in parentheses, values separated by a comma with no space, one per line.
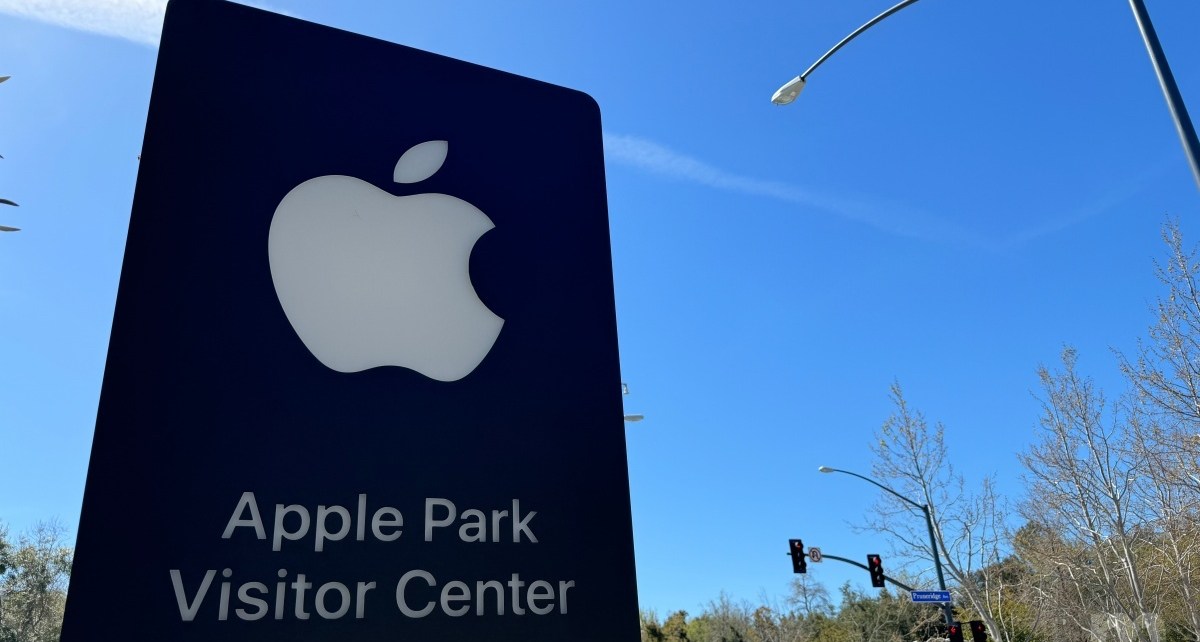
(136,20)
(1111,196)
(139,21)
(887,217)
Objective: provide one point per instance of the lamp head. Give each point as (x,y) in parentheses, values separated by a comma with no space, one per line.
(824,469)
(787,93)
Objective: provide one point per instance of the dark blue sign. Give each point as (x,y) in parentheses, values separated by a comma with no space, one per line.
(362,381)
(931,596)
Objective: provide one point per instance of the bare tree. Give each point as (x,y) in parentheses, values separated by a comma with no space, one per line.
(1165,376)
(810,597)
(1082,481)
(1166,370)
(968,527)
(1171,518)
(1057,597)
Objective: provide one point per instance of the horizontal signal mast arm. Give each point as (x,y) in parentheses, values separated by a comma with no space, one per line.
(864,567)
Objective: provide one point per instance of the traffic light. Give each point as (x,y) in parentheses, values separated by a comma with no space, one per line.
(796,549)
(955,631)
(875,567)
(978,631)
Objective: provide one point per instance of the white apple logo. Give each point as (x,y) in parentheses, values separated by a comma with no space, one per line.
(369,279)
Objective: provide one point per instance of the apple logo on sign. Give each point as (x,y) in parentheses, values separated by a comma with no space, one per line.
(369,279)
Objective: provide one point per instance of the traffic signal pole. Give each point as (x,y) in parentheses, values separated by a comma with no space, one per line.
(898,583)
(864,567)
(947,608)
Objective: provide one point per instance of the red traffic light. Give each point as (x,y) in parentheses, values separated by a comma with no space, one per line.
(956,634)
(875,567)
(796,550)
(978,631)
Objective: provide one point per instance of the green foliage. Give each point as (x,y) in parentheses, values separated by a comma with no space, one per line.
(675,629)
(824,628)
(808,617)
(886,617)
(33,584)
(651,629)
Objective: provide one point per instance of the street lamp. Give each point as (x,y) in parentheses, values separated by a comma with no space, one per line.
(787,93)
(5,201)
(1183,123)
(634,417)
(924,508)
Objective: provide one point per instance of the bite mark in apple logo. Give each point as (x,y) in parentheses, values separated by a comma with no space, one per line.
(369,279)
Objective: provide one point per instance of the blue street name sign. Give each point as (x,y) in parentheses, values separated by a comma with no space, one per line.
(931,596)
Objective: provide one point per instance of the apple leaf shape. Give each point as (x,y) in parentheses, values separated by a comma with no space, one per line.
(421,161)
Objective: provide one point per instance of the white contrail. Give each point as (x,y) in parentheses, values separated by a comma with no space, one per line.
(136,20)
(655,158)
(139,21)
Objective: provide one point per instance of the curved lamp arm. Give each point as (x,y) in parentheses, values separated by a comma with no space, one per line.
(788,92)
(827,469)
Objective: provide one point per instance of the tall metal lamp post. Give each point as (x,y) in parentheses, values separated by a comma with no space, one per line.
(924,508)
(5,201)
(1183,123)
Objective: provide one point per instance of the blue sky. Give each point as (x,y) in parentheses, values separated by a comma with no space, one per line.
(956,195)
